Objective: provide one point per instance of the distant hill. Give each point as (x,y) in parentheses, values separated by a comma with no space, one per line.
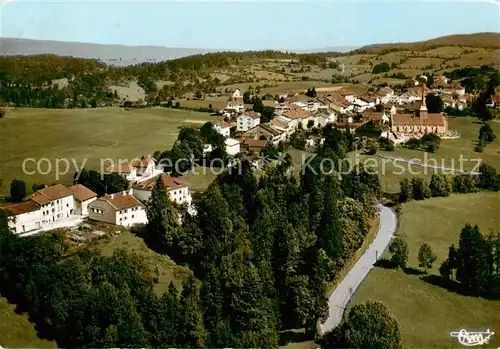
(481,40)
(119,55)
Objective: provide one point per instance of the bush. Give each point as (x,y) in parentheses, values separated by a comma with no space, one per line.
(426,257)
(17,190)
(381,68)
(2,113)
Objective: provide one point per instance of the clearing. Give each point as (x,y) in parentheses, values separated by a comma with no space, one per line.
(84,134)
(427,312)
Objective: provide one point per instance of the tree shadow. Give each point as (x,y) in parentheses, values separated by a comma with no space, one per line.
(384,263)
(292,336)
(413,271)
(448,285)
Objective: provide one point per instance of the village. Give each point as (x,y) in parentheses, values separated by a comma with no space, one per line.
(397,118)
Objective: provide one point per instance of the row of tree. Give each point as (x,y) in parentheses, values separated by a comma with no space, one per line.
(443,185)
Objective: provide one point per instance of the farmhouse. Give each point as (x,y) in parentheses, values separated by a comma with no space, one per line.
(254,145)
(179,191)
(118,208)
(144,166)
(377,118)
(247,120)
(295,116)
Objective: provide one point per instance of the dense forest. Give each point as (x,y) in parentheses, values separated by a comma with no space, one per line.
(262,251)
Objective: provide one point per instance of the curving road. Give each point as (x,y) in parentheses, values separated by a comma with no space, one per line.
(344,291)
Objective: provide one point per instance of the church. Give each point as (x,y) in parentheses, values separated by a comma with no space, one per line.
(421,122)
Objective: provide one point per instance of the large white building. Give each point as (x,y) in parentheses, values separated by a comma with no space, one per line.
(223,127)
(47,206)
(247,120)
(179,191)
(119,208)
(82,196)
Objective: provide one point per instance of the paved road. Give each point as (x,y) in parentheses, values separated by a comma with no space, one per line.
(342,294)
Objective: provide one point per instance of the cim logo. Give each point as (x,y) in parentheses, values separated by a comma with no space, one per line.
(472,338)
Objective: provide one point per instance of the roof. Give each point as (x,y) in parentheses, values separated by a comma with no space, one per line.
(168,182)
(296,114)
(120,168)
(251,114)
(23,207)
(432,119)
(384,91)
(258,143)
(373,115)
(119,201)
(268,127)
(345,92)
(46,195)
(142,161)
(81,192)
(231,142)
(369,97)
(279,123)
(223,124)
(234,103)
(299,98)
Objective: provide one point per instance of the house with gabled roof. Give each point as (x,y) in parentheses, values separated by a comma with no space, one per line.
(118,208)
(265,131)
(179,191)
(223,127)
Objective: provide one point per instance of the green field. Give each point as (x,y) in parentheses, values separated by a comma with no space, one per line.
(16,331)
(80,134)
(428,312)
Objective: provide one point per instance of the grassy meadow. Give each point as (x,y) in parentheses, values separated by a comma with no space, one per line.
(79,134)
(17,332)
(426,311)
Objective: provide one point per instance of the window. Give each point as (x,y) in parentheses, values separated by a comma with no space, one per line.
(67,205)
(132,216)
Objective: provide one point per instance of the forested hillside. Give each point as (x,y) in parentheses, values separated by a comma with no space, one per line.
(262,251)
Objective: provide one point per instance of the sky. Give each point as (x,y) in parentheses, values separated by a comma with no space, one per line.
(245,25)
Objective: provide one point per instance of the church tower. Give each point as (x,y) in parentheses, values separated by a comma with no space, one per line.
(423,107)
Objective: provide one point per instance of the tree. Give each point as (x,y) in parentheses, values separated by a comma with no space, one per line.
(17,190)
(440,185)
(420,189)
(258,106)
(163,226)
(406,191)
(399,250)
(367,325)
(486,133)
(488,178)
(381,68)
(434,103)
(191,329)
(426,257)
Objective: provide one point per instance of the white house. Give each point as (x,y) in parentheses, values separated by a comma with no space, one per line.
(82,197)
(385,94)
(295,117)
(45,206)
(24,216)
(280,108)
(234,107)
(144,166)
(179,191)
(118,208)
(232,146)
(236,95)
(247,120)
(222,127)
(56,202)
